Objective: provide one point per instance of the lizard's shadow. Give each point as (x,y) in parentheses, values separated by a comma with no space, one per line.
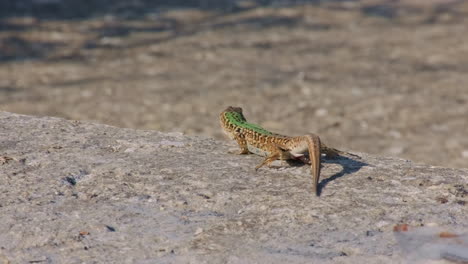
(349,166)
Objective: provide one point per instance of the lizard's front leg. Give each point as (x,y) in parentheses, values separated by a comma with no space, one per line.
(243,146)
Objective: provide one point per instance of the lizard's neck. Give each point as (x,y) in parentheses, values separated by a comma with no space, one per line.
(235,120)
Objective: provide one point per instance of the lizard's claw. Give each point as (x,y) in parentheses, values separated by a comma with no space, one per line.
(258,166)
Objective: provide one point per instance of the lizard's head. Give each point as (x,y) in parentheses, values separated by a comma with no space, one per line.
(230,118)
(233,109)
(234,114)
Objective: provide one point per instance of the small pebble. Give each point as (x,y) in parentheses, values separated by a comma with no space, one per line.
(198,231)
(321,112)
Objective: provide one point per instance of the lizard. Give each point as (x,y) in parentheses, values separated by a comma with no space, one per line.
(252,138)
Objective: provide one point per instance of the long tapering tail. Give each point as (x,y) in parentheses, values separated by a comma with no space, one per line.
(313,142)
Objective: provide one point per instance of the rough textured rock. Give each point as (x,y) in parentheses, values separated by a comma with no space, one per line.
(385,77)
(77,192)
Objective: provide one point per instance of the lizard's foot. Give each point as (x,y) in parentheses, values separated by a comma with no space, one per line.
(354,155)
(303,159)
(239,152)
(331,153)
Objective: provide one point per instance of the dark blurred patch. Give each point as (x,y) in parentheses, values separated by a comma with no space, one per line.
(261,22)
(118,29)
(110,228)
(22,15)
(437,67)
(80,9)
(16,48)
(177,30)
(380,11)
(8,26)
(70,180)
(7,89)
(78,82)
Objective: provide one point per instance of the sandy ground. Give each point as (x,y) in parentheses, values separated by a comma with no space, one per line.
(383,77)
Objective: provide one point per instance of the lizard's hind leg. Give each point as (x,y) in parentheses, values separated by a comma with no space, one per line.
(277,154)
(330,152)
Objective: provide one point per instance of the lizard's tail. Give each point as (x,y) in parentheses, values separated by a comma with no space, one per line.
(314,145)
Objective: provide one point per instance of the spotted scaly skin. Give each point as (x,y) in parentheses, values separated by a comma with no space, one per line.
(252,138)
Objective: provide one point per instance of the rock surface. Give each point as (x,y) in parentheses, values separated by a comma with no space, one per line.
(76,192)
(380,76)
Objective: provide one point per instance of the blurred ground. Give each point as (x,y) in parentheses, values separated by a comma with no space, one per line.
(384,77)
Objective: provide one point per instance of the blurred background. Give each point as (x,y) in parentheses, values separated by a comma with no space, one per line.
(386,77)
